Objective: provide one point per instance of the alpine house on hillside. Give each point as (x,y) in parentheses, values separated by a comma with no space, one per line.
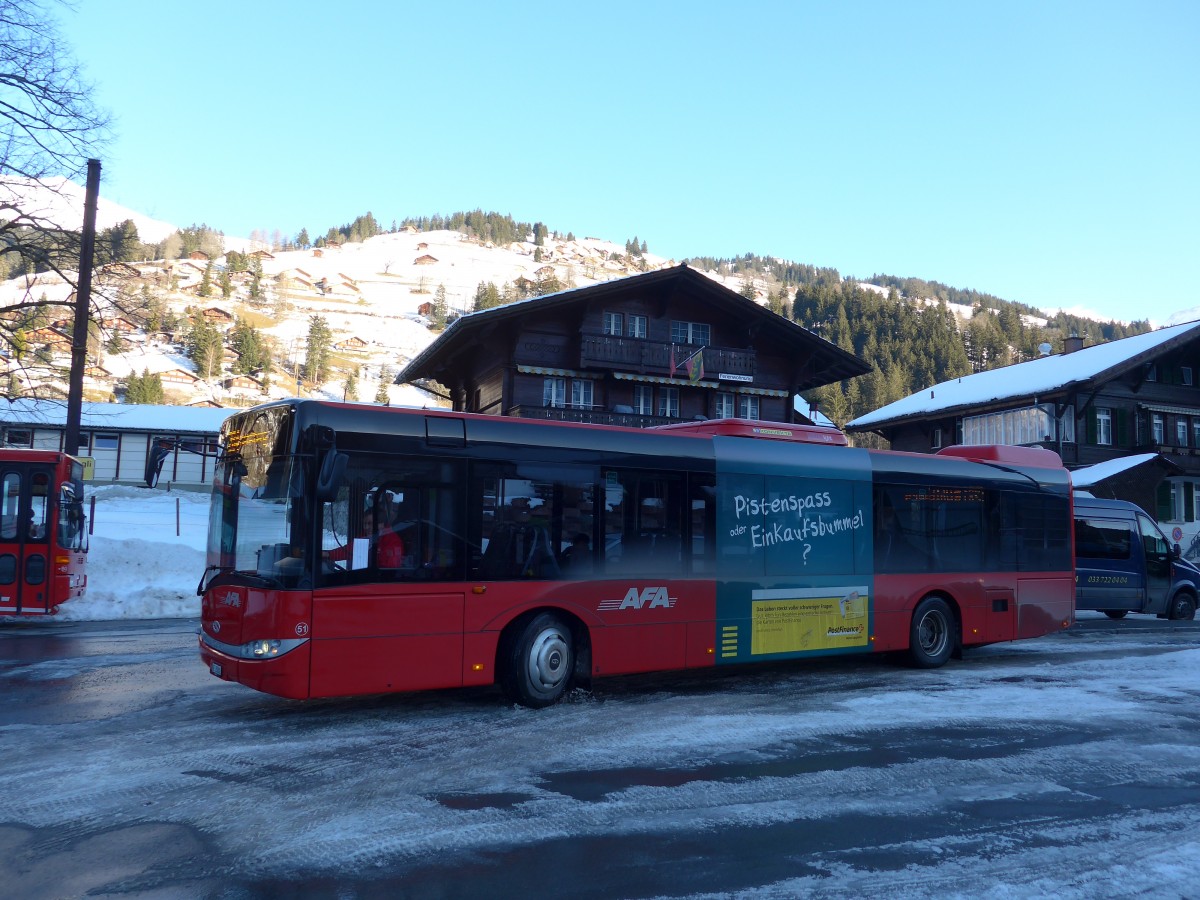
(1138,395)
(668,346)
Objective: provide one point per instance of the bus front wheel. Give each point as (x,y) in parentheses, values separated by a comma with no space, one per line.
(538,662)
(931,635)
(1116,613)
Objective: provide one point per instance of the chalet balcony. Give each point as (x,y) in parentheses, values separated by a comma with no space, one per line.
(592,416)
(654,357)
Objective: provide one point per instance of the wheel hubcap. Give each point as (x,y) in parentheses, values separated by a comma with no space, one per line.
(933,634)
(548,660)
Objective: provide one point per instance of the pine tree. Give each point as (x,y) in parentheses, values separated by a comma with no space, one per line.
(385,378)
(255,265)
(206,281)
(440,311)
(316,356)
(206,347)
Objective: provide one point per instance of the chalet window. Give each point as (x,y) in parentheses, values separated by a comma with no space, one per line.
(1104,426)
(748,407)
(1181,431)
(1156,428)
(935,440)
(1196,432)
(725,406)
(690,333)
(554,392)
(637,326)
(643,400)
(1152,372)
(105,441)
(614,324)
(1025,425)
(581,394)
(1185,375)
(668,402)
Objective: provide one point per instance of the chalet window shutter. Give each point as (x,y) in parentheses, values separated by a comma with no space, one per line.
(1091,426)
(1122,435)
(1189,501)
(1164,502)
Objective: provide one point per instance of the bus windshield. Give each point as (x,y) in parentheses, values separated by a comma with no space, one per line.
(256,523)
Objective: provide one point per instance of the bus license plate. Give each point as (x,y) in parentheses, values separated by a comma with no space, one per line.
(215,668)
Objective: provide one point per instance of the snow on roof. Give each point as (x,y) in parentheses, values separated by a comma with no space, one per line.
(123,416)
(1027,379)
(1092,475)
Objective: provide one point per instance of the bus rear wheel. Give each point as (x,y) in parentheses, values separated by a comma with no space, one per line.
(538,662)
(1116,613)
(931,635)
(1183,606)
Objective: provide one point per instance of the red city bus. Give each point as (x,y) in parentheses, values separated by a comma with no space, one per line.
(360,549)
(43,533)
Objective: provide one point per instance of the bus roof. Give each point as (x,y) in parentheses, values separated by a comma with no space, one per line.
(773,431)
(1033,457)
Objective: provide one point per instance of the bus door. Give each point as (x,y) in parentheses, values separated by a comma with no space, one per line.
(25,502)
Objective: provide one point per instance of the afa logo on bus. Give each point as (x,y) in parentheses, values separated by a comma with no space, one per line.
(636,599)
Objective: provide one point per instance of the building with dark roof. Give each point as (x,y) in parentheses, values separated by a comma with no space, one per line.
(1092,405)
(668,346)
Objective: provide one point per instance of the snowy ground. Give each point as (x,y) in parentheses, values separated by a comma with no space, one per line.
(146,557)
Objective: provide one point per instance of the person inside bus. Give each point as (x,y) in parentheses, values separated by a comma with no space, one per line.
(33,530)
(577,559)
(377,520)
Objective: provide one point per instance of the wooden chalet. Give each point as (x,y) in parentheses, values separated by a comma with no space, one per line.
(1092,405)
(216,316)
(242,383)
(178,376)
(667,346)
(425,260)
(352,345)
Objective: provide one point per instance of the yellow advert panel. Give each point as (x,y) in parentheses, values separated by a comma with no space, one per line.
(790,620)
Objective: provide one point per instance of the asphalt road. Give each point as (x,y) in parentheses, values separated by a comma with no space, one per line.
(1063,766)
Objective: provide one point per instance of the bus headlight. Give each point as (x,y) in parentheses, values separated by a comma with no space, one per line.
(263,648)
(268,648)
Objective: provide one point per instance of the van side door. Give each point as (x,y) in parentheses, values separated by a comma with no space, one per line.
(1109,565)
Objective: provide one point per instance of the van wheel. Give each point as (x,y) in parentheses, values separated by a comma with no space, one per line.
(538,662)
(931,636)
(1116,613)
(1183,606)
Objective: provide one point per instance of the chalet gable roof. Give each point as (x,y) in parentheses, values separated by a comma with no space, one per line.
(831,362)
(1035,378)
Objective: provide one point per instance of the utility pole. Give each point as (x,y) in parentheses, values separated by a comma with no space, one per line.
(83,297)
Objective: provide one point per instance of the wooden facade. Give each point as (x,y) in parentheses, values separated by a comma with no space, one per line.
(668,346)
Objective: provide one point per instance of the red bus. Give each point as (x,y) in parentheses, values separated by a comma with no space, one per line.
(540,555)
(43,533)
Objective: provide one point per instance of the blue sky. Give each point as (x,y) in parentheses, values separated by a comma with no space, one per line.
(1042,152)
